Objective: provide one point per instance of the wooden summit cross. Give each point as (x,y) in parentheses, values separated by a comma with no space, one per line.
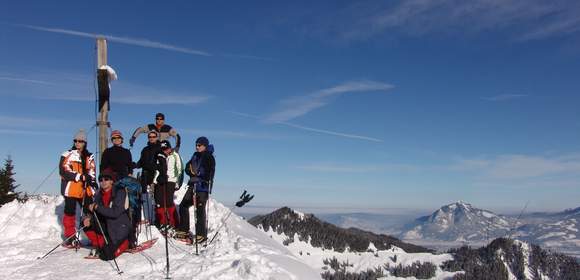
(104,92)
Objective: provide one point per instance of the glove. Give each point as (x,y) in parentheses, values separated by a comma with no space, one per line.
(132,141)
(244,198)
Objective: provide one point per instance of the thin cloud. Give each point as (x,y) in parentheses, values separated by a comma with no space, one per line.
(298,106)
(146,43)
(80,88)
(343,168)
(230,134)
(28,122)
(508,167)
(26,81)
(310,129)
(334,133)
(123,40)
(527,19)
(32,132)
(504,97)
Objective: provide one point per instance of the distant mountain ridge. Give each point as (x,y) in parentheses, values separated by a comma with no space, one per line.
(559,231)
(459,221)
(346,254)
(326,235)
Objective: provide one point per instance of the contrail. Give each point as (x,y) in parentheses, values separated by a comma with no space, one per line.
(123,40)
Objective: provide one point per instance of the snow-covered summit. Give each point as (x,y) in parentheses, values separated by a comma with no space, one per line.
(459,221)
(239,252)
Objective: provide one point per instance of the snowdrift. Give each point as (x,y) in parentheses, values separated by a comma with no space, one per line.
(239,252)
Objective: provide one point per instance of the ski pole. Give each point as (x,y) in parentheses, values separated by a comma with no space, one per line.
(166,230)
(60,244)
(195,216)
(107,242)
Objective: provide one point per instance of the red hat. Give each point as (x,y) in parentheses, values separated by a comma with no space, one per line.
(116,133)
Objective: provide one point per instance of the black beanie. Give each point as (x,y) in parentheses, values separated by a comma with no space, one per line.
(202,140)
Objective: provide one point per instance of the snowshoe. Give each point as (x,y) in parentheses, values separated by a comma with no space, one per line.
(183,236)
(72,243)
(143,246)
(93,254)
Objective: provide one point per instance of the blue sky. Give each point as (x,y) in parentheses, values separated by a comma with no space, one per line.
(407,104)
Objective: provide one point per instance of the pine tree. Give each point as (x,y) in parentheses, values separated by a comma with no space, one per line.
(7,182)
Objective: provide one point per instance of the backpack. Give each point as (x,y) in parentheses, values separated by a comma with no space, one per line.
(132,189)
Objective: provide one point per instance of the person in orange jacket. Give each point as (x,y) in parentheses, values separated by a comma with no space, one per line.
(77,173)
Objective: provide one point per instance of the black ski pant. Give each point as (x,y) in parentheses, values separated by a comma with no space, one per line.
(164,204)
(200,211)
(70,204)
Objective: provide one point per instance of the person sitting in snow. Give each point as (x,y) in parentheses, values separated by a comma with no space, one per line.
(164,130)
(109,234)
(167,177)
(201,169)
(77,173)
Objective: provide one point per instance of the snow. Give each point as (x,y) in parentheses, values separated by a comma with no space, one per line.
(239,252)
(300,214)
(487,214)
(361,261)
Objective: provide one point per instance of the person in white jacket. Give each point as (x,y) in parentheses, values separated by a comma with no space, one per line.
(168,178)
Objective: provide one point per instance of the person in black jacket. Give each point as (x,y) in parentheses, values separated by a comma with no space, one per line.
(109,207)
(117,158)
(201,169)
(147,162)
(148,165)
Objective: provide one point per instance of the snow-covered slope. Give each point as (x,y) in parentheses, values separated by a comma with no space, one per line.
(558,231)
(314,253)
(458,222)
(240,251)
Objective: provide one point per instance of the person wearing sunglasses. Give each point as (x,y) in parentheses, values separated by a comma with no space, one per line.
(77,173)
(148,165)
(117,158)
(201,169)
(165,131)
(109,206)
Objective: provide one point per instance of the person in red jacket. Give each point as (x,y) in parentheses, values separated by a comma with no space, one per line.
(77,173)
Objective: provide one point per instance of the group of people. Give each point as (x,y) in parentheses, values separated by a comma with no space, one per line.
(106,218)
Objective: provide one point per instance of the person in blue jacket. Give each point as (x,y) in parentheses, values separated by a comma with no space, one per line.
(201,169)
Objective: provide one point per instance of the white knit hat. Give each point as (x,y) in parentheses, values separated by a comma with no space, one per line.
(81,135)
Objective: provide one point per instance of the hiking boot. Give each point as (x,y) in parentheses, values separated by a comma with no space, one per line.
(71,243)
(200,238)
(93,254)
(166,230)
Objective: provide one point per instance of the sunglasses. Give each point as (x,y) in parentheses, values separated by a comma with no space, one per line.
(159,119)
(115,138)
(152,137)
(79,141)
